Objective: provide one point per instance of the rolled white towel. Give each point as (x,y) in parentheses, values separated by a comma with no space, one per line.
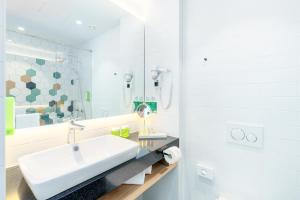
(172,155)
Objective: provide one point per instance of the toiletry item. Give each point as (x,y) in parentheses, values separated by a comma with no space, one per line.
(115,131)
(172,155)
(152,105)
(125,131)
(88,96)
(10,115)
(153,136)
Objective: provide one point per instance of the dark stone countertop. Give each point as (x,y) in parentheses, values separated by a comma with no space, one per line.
(148,154)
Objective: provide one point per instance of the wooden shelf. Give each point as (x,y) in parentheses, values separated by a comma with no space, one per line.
(131,192)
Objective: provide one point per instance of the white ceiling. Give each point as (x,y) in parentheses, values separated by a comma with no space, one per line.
(55,19)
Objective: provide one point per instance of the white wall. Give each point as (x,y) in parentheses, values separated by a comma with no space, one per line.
(132,54)
(106,61)
(163,49)
(2,95)
(117,51)
(252,76)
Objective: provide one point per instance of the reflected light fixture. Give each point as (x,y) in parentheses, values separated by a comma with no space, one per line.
(78,22)
(20,28)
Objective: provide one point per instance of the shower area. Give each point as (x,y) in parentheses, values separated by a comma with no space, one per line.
(49,81)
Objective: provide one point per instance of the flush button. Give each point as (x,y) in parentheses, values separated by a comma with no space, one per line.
(251,138)
(237,134)
(250,135)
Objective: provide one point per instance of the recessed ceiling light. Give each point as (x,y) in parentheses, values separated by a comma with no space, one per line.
(78,22)
(9,40)
(20,28)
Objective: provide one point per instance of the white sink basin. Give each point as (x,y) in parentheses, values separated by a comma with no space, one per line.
(56,170)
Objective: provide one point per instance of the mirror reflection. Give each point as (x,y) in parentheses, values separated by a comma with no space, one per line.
(72,60)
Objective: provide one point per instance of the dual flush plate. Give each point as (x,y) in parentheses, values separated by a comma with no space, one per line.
(245,134)
(238,133)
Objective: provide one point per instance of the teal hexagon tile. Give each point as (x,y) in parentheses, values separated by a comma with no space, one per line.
(45,116)
(58,110)
(30,110)
(64,97)
(31,85)
(49,110)
(31,98)
(60,115)
(56,75)
(52,92)
(40,61)
(49,121)
(52,103)
(35,92)
(30,72)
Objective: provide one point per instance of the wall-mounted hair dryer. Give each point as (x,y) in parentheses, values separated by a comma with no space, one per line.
(160,77)
(156,73)
(128,88)
(128,77)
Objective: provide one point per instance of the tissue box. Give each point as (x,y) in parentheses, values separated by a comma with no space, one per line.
(137,180)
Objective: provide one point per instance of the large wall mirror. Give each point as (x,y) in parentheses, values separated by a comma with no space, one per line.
(72,60)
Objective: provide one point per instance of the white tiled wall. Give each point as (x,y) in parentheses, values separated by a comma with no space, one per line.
(252,75)
(162,49)
(117,51)
(2,148)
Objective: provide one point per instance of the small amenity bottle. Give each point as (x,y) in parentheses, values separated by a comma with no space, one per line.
(10,115)
(115,131)
(125,131)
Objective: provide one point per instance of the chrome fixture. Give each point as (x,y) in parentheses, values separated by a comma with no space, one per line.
(72,130)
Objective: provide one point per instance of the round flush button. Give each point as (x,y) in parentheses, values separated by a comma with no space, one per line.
(237,134)
(251,138)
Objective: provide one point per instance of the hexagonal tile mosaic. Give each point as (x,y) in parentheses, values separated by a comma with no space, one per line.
(25,78)
(52,103)
(56,75)
(9,86)
(64,97)
(35,92)
(30,72)
(52,92)
(40,61)
(56,86)
(30,98)
(30,85)
(35,81)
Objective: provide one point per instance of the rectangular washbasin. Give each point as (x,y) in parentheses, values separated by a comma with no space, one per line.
(55,170)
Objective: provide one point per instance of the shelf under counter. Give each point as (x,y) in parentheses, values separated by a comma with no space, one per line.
(132,192)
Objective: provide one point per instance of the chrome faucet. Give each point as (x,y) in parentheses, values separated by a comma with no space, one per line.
(72,130)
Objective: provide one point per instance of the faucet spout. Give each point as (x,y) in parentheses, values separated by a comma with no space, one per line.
(76,125)
(72,131)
